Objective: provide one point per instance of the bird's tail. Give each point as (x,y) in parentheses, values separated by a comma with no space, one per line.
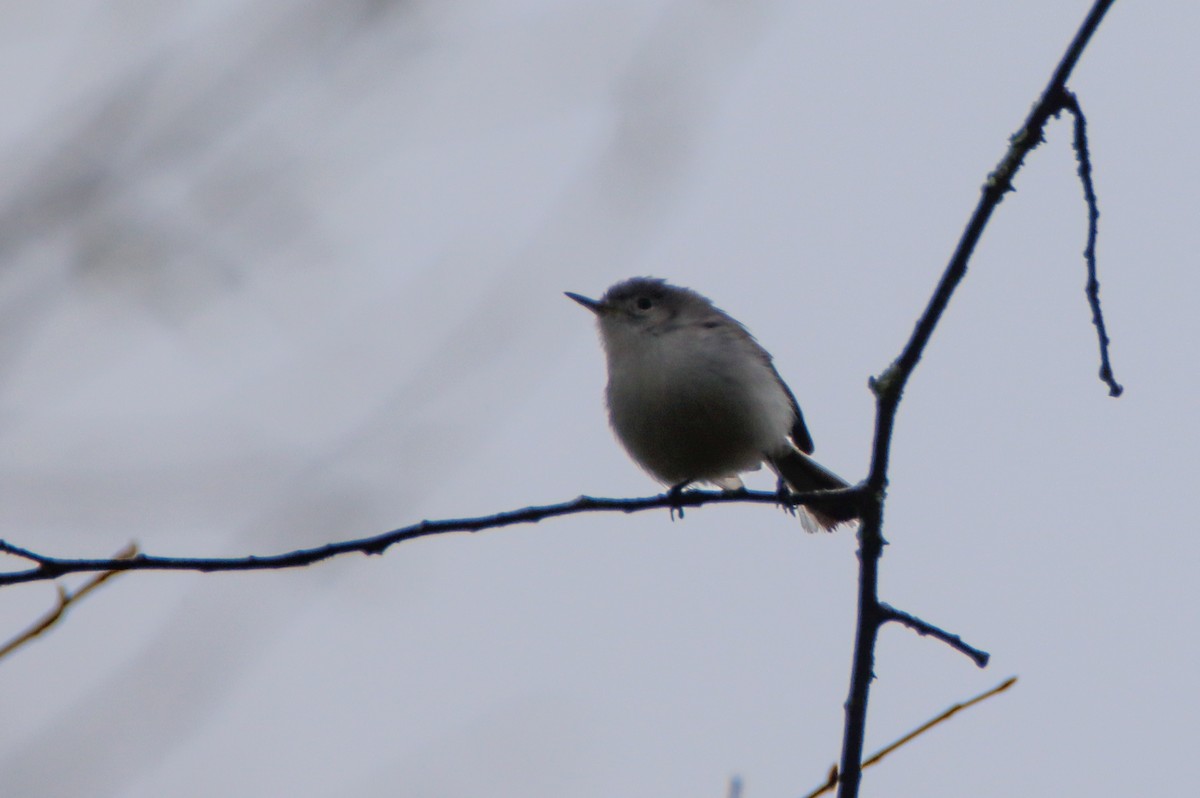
(804,474)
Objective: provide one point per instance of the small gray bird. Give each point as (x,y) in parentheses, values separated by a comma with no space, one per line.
(694,398)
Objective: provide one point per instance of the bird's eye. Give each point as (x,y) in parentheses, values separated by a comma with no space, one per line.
(644,303)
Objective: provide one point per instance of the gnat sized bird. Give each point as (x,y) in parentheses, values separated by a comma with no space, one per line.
(694,398)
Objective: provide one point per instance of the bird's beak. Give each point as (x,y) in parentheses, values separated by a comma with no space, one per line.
(590,304)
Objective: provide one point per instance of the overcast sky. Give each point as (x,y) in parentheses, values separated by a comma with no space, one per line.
(279,273)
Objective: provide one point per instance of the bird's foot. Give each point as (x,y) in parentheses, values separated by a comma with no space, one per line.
(785,497)
(675,498)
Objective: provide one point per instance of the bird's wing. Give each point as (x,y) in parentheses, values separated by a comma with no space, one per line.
(799,433)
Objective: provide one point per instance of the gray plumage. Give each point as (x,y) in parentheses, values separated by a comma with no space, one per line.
(694,398)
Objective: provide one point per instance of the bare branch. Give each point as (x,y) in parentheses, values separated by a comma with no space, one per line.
(889,388)
(925,628)
(1070,103)
(46,567)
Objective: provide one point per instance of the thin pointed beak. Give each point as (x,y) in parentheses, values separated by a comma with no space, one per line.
(590,304)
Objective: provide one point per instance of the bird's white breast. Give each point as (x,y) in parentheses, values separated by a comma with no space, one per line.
(693,403)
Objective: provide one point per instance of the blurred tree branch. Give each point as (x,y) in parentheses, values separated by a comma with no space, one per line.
(832,780)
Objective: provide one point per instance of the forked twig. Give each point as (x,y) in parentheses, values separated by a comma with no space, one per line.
(65,600)
(889,390)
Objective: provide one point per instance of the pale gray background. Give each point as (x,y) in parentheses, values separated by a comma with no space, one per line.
(277,273)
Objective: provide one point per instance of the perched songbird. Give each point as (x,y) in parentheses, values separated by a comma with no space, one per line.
(694,398)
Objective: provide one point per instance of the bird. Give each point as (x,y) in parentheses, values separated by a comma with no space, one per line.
(694,398)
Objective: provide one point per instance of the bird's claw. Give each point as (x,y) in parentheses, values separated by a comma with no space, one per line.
(785,497)
(675,498)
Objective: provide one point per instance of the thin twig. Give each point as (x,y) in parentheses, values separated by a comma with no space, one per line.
(46,567)
(889,388)
(921,627)
(832,779)
(1070,103)
(65,600)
